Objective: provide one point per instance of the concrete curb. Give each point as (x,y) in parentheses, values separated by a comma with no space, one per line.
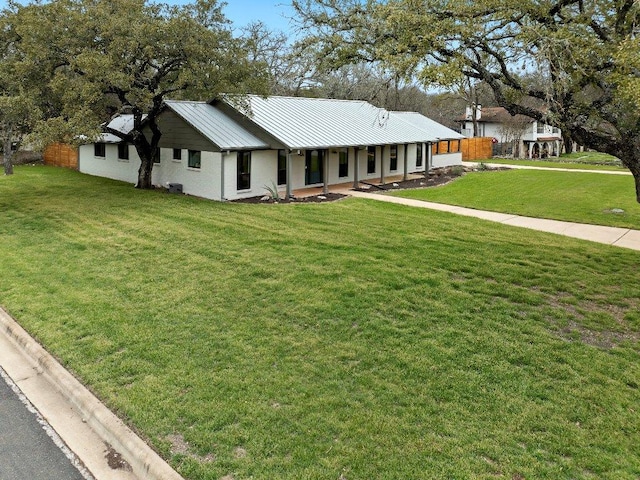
(145,463)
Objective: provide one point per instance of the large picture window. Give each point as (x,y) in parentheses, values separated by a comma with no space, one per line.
(343,162)
(282,167)
(371,160)
(195,159)
(244,170)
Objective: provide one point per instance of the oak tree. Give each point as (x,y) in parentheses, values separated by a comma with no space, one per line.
(99,57)
(587,52)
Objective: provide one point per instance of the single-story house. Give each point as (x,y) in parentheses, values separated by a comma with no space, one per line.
(240,147)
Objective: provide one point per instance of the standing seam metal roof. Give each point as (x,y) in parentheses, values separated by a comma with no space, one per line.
(425,123)
(301,122)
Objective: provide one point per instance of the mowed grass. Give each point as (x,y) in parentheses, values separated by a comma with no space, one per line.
(571,196)
(573,161)
(353,340)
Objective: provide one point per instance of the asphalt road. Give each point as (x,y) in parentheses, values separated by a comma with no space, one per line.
(27,450)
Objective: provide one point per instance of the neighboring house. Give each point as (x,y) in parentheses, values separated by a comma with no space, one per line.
(242,146)
(529,138)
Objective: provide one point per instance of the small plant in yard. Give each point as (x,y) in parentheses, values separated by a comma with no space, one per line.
(457,170)
(273,192)
(482,167)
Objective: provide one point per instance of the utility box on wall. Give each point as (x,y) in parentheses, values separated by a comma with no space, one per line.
(175,188)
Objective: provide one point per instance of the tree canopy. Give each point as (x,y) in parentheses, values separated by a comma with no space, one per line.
(586,52)
(99,57)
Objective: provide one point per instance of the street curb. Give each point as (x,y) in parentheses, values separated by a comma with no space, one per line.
(144,461)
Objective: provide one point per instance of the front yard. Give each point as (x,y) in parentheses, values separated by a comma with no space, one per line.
(572,196)
(351,340)
(576,160)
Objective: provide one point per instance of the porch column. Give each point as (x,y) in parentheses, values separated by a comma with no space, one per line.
(356,167)
(289,189)
(530,150)
(406,161)
(325,172)
(223,158)
(382,164)
(428,158)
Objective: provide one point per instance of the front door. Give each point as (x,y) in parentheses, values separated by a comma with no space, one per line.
(313,170)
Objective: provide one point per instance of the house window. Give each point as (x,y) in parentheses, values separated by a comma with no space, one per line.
(123,151)
(393,157)
(194,158)
(156,159)
(419,155)
(540,127)
(282,167)
(371,159)
(177,154)
(99,150)
(343,162)
(244,170)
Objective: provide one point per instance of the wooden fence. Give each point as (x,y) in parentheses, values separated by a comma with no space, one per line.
(479,148)
(61,155)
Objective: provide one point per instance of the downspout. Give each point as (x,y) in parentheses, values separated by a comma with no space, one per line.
(406,161)
(325,172)
(382,164)
(428,158)
(356,168)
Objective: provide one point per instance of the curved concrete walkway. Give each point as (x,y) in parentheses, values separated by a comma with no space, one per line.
(620,237)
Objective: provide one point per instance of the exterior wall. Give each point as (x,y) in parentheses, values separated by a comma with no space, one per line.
(109,166)
(492,129)
(485,129)
(264,173)
(202,182)
(216,178)
(447,160)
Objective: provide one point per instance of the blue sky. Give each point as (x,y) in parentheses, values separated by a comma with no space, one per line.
(273,13)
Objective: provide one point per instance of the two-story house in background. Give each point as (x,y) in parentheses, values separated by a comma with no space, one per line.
(518,135)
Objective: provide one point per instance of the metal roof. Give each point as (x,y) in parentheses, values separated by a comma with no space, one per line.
(434,128)
(302,123)
(122,123)
(214,125)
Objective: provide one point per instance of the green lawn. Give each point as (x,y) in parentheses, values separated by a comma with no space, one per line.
(354,340)
(572,196)
(577,160)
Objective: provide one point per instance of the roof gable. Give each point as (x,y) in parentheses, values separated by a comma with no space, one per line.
(216,126)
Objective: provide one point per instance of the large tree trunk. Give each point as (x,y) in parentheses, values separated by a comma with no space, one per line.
(147,158)
(8,157)
(568,143)
(629,154)
(144,174)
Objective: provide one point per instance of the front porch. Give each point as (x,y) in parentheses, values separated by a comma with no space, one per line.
(345,188)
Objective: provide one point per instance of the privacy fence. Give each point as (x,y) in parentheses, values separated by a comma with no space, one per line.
(61,155)
(479,148)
